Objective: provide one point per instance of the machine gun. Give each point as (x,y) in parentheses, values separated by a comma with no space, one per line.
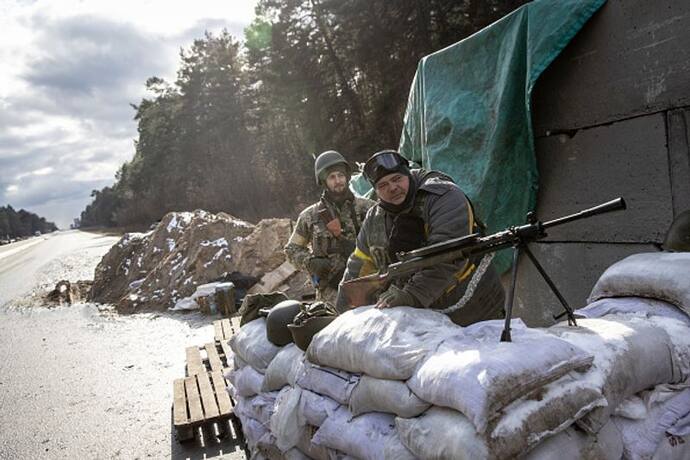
(359,291)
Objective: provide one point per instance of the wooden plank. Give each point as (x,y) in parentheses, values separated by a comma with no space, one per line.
(235,322)
(218,331)
(194,364)
(196,412)
(208,399)
(213,358)
(227,329)
(222,395)
(179,403)
(227,351)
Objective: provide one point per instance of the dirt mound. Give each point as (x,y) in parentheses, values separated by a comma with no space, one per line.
(66,292)
(151,271)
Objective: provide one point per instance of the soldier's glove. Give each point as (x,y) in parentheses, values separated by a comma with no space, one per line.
(395,297)
(319,266)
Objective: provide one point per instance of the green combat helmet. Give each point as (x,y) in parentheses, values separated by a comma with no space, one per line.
(311,319)
(678,235)
(277,321)
(326,160)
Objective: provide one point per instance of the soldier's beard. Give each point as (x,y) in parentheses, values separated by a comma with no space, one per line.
(338,197)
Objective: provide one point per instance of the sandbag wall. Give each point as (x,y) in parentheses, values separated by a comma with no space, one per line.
(407,383)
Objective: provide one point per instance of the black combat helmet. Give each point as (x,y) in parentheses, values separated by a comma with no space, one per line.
(326,160)
(678,235)
(278,319)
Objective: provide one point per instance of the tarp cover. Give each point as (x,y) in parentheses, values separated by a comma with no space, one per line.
(468,112)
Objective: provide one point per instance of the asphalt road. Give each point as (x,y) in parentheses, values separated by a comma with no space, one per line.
(82,381)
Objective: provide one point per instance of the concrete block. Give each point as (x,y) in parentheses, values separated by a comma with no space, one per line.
(627,159)
(631,58)
(573,267)
(679,158)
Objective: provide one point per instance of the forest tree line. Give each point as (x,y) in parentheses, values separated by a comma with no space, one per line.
(238,128)
(18,224)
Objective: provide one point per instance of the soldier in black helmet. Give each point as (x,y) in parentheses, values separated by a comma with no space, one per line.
(418,208)
(326,231)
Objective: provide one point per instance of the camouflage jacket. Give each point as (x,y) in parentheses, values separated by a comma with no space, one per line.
(310,238)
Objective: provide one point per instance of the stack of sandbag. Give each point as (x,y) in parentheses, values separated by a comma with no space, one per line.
(408,383)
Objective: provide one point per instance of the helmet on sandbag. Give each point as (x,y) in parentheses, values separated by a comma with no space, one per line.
(282,314)
(311,320)
(326,160)
(678,235)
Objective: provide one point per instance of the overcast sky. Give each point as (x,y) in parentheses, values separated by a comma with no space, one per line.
(68,71)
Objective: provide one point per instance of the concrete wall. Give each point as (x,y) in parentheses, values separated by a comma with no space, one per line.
(611,118)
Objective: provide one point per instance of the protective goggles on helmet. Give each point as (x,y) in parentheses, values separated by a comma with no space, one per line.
(383,163)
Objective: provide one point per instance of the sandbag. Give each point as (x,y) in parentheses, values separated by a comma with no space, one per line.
(575,444)
(253,431)
(442,433)
(630,355)
(334,383)
(363,437)
(315,409)
(252,346)
(385,344)
(284,368)
(381,395)
(259,407)
(633,306)
(641,438)
(657,275)
(286,423)
(245,381)
(312,450)
(478,375)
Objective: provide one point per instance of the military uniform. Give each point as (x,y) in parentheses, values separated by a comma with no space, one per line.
(440,211)
(312,238)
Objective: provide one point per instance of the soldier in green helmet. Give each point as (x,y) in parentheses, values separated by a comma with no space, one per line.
(325,234)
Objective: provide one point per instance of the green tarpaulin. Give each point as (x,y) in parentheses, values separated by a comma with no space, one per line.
(468,112)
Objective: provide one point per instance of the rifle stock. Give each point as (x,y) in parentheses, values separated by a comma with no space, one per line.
(360,291)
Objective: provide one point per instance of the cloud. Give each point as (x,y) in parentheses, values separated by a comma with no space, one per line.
(66,124)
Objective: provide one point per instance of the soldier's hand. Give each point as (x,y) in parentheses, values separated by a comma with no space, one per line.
(395,297)
(319,266)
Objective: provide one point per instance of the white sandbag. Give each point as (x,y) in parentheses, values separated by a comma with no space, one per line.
(284,368)
(306,445)
(253,430)
(394,449)
(381,395)
(334,383)
(363,437)
(315,408)
(641,438)
(442,433)
(657,275)
(574,444)
(673,448)
(630,355)
(478,375)
(259,407)
(286,422)
(246,381)
(633,306)
(386,344)
(252,346)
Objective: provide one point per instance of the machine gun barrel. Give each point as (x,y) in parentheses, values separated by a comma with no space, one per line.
(464,248)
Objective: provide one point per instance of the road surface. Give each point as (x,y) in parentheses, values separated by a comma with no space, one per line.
(82,381)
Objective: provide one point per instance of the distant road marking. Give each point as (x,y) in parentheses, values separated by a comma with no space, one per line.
(19,249)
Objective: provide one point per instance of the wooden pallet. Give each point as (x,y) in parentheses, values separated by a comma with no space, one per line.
(201,398)
(225,328)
